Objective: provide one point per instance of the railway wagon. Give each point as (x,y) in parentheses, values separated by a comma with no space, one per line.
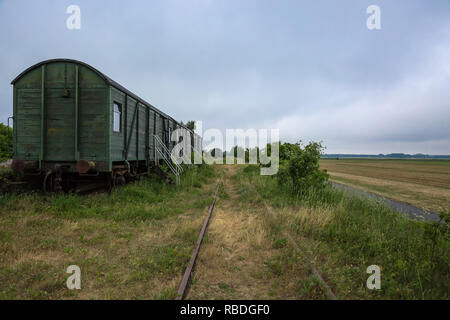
(72,123)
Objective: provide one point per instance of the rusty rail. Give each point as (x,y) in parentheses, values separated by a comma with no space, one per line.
(182,290)
(311,266)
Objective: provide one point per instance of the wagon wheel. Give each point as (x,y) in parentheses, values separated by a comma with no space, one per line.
(110,182)
(118,180)
(47,183)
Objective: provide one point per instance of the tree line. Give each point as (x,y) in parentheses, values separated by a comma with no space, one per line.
(5,142)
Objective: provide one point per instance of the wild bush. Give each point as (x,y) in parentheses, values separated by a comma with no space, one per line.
(300,166)
(5,142)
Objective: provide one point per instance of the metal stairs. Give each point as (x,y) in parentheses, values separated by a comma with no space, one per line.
(162,152)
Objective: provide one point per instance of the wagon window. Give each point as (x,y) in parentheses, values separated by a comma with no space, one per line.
(117,117)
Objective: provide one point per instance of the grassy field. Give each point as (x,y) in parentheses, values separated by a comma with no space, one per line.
(136,242)
(423,183)
(132,244)
(342,235)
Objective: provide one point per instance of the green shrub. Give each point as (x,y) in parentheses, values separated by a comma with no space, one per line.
(301,166)
(5,142)
(280,243)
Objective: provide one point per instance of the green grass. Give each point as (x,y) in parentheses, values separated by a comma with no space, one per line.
(357,233)
(146,199)
(131,244)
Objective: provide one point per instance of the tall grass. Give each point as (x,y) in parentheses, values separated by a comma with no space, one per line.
(132,243)
(146,199)
(362,232)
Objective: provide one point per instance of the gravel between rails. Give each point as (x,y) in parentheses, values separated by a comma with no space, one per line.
(397,206)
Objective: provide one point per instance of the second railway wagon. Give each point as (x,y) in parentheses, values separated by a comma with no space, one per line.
(73,123)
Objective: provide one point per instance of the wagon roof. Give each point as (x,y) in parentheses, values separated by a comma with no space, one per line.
(110,81)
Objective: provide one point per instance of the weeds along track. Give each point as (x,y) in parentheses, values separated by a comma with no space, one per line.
(184,285)
(307,259)
(240,258)
(83,187)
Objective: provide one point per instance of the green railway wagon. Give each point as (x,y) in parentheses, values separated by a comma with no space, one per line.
(72,123)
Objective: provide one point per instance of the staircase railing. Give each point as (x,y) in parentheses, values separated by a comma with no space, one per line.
(164,153)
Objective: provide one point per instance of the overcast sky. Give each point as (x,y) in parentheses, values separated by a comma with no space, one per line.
(310,68)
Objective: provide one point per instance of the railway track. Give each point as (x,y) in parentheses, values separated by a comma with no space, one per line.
(185,281)
(329,292)
(184,284)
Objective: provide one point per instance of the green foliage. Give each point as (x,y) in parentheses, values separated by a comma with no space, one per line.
(197,184)
(247,155)
(288,150)
(436,234)
(5,142)
(280,243)
(301,166)
(190,125)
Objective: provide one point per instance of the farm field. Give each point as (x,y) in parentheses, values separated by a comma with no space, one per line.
(423,183)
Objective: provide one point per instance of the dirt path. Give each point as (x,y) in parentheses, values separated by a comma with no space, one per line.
(233,261)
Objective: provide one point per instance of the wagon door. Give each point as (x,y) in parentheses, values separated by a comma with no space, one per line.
(28,124)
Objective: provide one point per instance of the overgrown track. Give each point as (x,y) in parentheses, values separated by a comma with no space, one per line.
(308,260)
(184,285)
